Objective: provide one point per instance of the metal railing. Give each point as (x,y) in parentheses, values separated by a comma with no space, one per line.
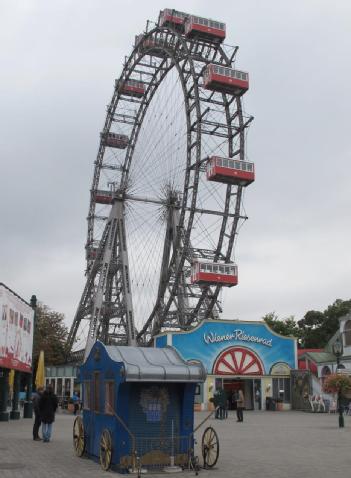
(157,452)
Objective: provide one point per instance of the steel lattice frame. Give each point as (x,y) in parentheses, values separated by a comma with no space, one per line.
(178,304)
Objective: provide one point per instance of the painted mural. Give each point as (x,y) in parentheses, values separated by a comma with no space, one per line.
(248,344)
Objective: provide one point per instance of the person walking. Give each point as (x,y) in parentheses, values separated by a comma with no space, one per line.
(258,398)
(75,399)
(222,402)
(219,401)
(240,402)
(47,407)
(37,420)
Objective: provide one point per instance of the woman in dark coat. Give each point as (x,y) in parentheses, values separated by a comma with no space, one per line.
(47,407)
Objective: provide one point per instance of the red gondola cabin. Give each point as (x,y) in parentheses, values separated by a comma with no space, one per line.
(172,18)
(230,171)
(204,28)
(150,45)
(209,273)
(91,252)
(103,197)
(226,80)
(132,88)
(114,140)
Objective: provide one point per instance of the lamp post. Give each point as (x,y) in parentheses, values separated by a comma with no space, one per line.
(28,405)
(337,349)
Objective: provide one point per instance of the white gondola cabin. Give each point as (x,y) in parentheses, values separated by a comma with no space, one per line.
(114,140)
(226,80)
(132,88)
(103,197)
(172,18)
(210,273)
(230,171)
(204,28)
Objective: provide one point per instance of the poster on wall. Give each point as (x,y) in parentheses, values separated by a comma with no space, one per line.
(16,331)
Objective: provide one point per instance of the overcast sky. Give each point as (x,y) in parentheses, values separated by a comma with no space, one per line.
(58,62)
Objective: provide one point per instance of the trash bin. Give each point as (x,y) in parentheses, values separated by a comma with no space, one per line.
(270,404)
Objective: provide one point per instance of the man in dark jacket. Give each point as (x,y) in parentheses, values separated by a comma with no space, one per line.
(47,407)
(220,401)
(37,419)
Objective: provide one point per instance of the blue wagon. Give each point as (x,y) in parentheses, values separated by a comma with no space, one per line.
(138,409)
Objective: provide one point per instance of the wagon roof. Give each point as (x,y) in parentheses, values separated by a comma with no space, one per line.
(155,364)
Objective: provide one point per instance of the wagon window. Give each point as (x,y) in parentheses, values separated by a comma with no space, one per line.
(215,269)
(202,267)
(109,397)
(221,269)
(96,403)
(86,395)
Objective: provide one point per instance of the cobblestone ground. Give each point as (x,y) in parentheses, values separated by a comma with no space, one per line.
(265,445)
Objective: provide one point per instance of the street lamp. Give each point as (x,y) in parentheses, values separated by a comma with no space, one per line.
(337,349)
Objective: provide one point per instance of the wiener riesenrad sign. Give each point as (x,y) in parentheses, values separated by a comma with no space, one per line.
(211,339)
(238,334)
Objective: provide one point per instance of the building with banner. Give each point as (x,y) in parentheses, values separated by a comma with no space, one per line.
(239,355)
(16,344)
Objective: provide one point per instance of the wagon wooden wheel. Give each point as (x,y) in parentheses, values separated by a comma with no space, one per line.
(105,450)
(78,436)
(210,447)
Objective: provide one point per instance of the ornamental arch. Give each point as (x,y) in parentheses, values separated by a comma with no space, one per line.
(238,361)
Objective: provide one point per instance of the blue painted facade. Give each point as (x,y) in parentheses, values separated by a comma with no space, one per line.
(239,355)
(210,338)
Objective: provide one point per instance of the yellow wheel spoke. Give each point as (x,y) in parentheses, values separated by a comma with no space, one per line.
(78,436)
(105,450)
(210,447)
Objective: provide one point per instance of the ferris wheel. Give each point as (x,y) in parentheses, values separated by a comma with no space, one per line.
(166,195)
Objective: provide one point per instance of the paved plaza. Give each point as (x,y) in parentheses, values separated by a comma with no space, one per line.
(266,445)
